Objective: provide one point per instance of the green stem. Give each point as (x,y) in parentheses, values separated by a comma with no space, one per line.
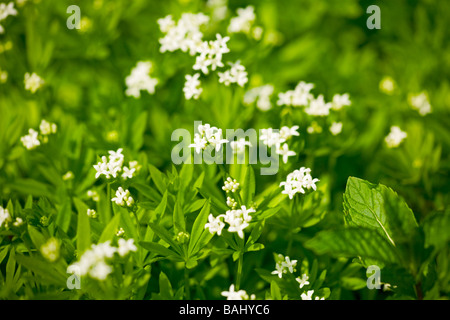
(186,284)
(239,271)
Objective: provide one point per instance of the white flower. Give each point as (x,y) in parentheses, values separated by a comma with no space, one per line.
(47,128)
(50,250)
(17,223)
(297,181)
(298,97)
(387,85)
(340,101)
(318,107)
(123,198)
(184,35)
(192,87)
(231,202)
(271,138)
(112,165)
(395,137)
(285,152)
(5,11)
(230,185)
(215,224)
(207,136)
(91,213)
(286,132)
(303,281)
(420,103)
(68,175)
(307,295)
(237,295)
(236,74)
(30,141)
(120,232)
(33,82)
(128,173)
(261,95)
(243,21)
(4,216)
(100,271)
(126,246)
(239,145)
(283,265)
(238,220)
(93,195)
(139,79)
(336,128)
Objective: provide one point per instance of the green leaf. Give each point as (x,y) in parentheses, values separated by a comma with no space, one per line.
(138,129)
(166,236)
(158,249)
(83,227)
(248,187)
(379,208)
(186,173)
(436,228)
(47,272)
(37,238)
(255,234)
(275,291)
(198,228)
(165,288)
(64,215)
(157,177)
(110,230)
(178,218)
(353,242)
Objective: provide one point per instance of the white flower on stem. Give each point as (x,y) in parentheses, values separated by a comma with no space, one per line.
(68,176)
(387,85)
(420,103)
(47,128)
(199,144)
(230,185)
(4,216)
(297,181)
(243,21)
(318,107)
(340,101)
(126,246)
(17,223)
(139,80)
(5,11)
(207,136)
(50,250)
(271,138)
(307,295)
(166,23)
(231,202)
(30,141)
(91,213)
(303,280)
(236,74)
(112,165)
(93,195)
(192,87)
(283,265)
(261,95)
(238,220)
(395,137)
(299,97)
(123,198)
(128,172)
(336,128)
(285,152)
(239,145)
(215,224)
(33,82)
(100,271)
(286,132)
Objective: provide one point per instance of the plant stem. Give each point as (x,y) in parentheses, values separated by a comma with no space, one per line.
(186,283)
(239,271)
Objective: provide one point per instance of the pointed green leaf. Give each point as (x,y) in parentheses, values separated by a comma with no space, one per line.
(83,227)
(198,227)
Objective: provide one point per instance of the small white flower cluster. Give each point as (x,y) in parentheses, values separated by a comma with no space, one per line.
(192,87)
(219,9)
(301,96)
(284,265)
(210,54)
(123,198)
(420,103)
(231,294)
(33,82)
(237,220)
(110,166)
(184,35)
(5,11)
(238,146)
(50,249)
(140,79)
(387,85)
(5,217)
(308,296)
(31,140)
(272,138)
(243,21)
(91,213)
(236,74)
(93,262)
(93,194)
(261,95)
(336,128)
(395,137)
(206,136)
(230,185)
(297,181)
(303,280)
